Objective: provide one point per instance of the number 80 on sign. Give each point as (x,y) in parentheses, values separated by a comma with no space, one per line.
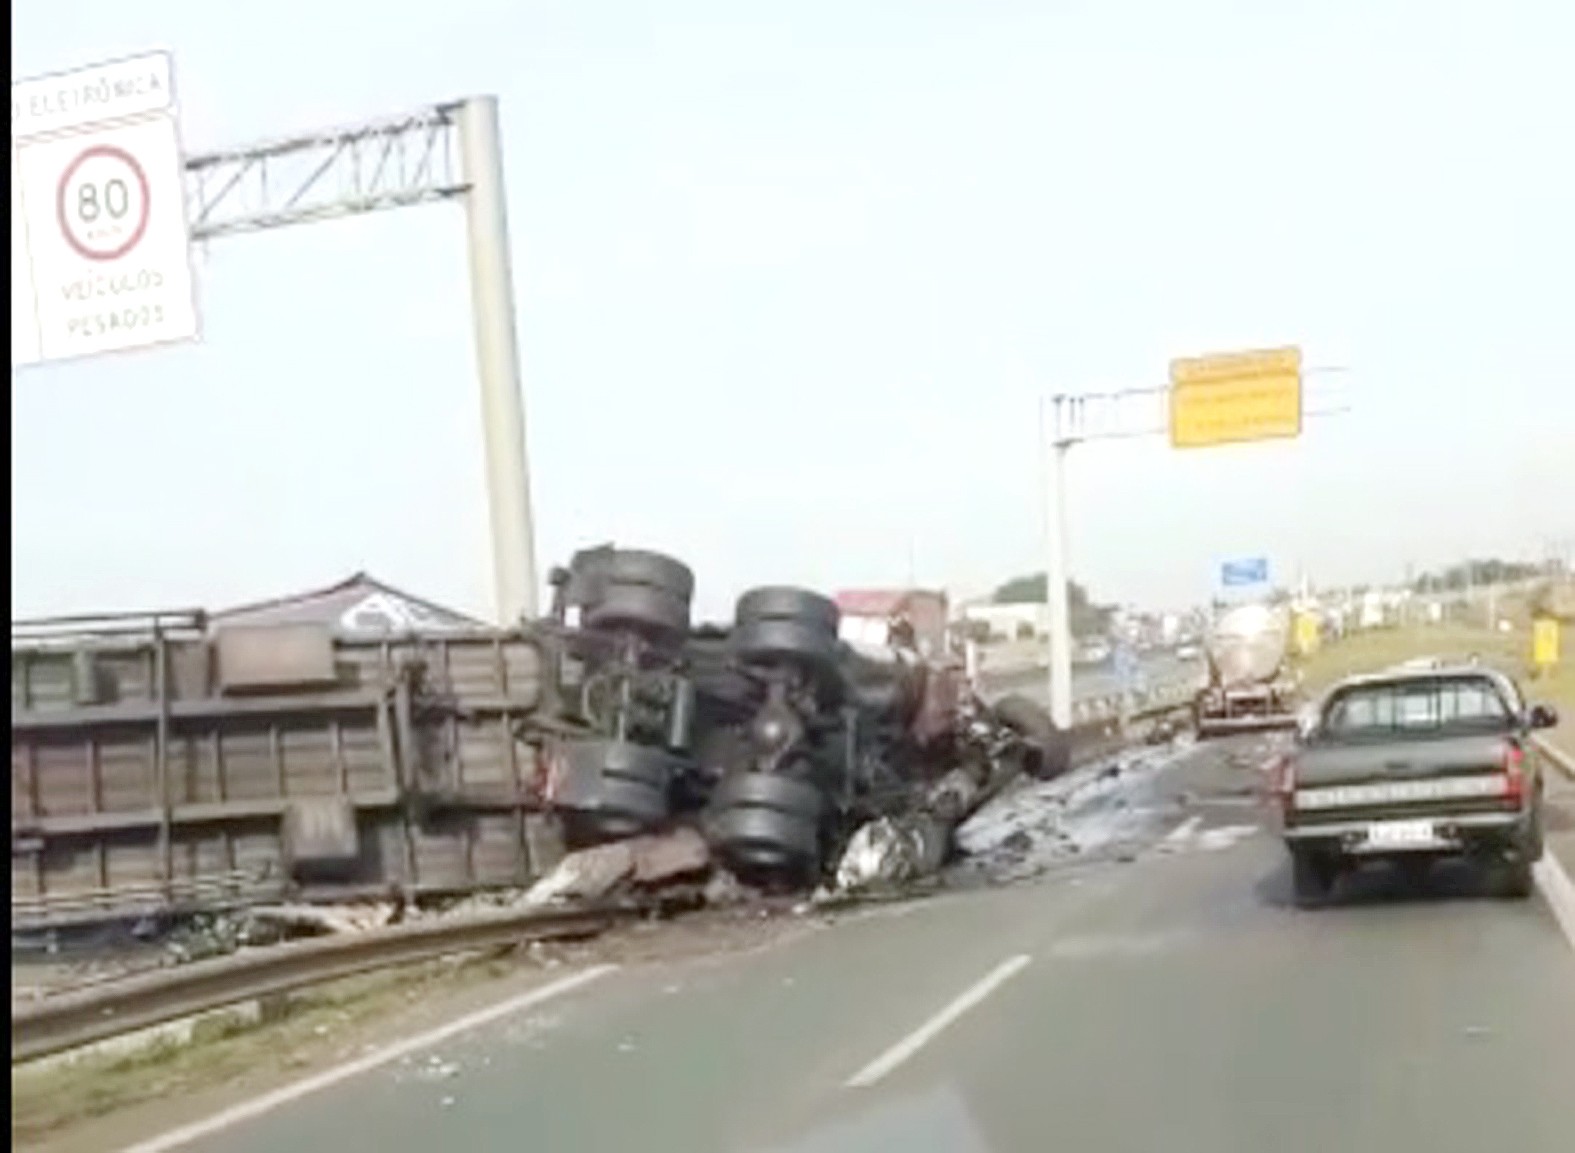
(102,203)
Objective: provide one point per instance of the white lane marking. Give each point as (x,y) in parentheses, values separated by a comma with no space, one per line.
(932,1028)
(257,1106)
(1225,836)
(1184,831)
(1558,891)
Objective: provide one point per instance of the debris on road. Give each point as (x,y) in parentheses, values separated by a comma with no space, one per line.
(888,852)
(326,918)
(593,874)
(1101,809)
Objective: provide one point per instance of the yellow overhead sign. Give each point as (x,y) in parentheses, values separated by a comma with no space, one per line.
(1545,642)
(1230,366)
(1308,634)
(1235,397)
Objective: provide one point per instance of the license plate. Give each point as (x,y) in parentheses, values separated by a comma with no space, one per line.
(1401,834)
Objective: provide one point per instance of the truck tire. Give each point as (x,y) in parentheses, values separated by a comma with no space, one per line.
(644,591)
(1052,749)
(767,822)
(638,567)
(639,607)
(1312,878)
(616,788)
(773,624)
(780,602)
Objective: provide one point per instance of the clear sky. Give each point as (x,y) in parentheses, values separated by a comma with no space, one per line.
(792,277)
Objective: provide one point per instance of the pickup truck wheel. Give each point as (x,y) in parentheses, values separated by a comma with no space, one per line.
(1414,870)
(1312,878)
(1534,838)
(1518,881)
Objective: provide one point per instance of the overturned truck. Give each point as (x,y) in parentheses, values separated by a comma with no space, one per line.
(163,764)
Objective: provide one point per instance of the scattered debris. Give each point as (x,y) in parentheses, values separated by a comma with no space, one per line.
(889,852)
(326,918)
(593,874)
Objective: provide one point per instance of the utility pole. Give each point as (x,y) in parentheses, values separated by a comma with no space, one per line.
(498,363)
(1060,663)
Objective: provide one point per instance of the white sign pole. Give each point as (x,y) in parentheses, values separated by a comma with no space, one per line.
(498,362)
(1060,664)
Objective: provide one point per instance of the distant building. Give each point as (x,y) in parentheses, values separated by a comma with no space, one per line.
(867,616)
(359,606)
(1010,621)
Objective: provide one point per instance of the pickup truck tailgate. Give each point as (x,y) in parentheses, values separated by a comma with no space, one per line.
(1459,773)
(1395,761)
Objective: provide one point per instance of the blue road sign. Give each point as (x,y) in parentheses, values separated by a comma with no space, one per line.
(1241,573)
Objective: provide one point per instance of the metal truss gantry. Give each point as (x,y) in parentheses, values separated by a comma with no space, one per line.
(389,163)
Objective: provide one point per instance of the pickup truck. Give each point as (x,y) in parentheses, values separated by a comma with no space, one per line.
(1411,766)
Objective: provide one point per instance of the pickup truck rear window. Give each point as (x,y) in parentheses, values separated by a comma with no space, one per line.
(1413,706)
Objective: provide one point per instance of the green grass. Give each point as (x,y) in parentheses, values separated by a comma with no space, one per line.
(1380,648)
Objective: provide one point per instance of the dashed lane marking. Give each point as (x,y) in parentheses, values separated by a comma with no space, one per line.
(970,998)
(1183,832)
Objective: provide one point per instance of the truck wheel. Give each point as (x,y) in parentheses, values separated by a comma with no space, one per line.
(778,602)
(614,788)
(1052,753)
(639,607)
(765,822)
(632,566)
(772,624)
(641,590)
(1312,878)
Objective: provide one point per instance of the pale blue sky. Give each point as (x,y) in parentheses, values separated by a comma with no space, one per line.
(791,278)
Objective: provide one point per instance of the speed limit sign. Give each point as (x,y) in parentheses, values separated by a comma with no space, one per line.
(102,203)
(100,248)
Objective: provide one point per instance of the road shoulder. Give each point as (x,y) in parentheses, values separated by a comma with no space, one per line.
(1559,813)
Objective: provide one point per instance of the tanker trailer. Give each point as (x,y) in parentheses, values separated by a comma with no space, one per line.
(1251,684)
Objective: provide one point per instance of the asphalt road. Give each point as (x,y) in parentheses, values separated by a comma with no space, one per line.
(1154,990)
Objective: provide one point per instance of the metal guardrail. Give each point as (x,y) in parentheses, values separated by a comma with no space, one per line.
(1165,696)
(1564,762)
(74,1019)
